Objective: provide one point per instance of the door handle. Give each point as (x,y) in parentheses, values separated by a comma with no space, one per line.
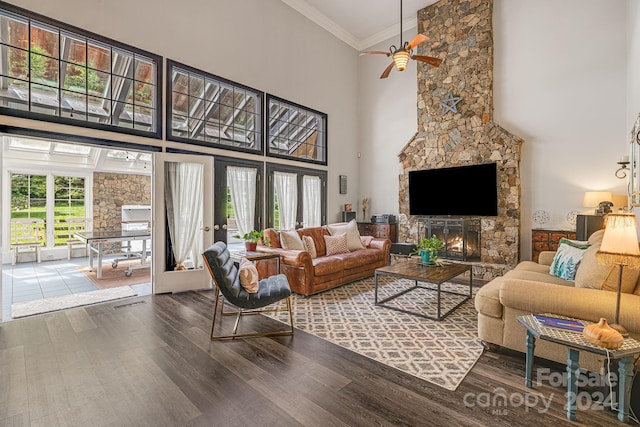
(215,227)
(224,226)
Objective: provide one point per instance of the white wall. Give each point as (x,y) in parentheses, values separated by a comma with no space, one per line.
(263,44)
(388,120)
(559,83)
(633,68)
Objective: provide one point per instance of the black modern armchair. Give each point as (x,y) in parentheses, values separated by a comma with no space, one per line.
(227,280)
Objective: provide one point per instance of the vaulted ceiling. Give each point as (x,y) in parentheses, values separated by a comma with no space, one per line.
(361,23)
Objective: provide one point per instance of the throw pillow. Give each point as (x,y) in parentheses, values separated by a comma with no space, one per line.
(336,244)
(310,246)
(248,276)
(351,230)
(290,239)
(592,274)
(565,262)
(596,237)
(366,240)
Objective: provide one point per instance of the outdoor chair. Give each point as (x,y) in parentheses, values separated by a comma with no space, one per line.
(76,225)
(227,282)
(26,233)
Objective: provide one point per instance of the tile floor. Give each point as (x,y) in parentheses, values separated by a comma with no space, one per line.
(27,281)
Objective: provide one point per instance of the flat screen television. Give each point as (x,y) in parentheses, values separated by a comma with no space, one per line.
(456,191)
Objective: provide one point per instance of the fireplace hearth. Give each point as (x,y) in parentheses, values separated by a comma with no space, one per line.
(461,237)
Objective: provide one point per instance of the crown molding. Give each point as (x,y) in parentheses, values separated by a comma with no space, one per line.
(322,20)
(329,25)
(387,33)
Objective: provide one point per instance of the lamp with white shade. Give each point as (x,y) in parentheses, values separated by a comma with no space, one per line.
(620,249)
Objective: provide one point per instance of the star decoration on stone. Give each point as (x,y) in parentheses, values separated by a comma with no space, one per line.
(449,103)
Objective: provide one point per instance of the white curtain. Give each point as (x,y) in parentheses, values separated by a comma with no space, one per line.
(184,199)
(312,201)
(286,187)
(242,186)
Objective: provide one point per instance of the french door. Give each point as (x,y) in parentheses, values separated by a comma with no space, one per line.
(226,219)
(182,215)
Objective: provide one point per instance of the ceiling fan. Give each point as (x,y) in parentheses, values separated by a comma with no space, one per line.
(402,54)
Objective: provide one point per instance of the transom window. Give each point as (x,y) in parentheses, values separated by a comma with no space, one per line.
(209,110)
(296,132)
(49,71)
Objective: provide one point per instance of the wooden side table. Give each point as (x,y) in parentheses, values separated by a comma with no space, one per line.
(575,343)
(543,239)
(256,256)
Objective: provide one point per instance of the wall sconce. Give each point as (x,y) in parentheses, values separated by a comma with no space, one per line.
(622,171)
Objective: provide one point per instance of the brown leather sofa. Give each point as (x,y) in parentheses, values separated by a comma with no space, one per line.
(308,276)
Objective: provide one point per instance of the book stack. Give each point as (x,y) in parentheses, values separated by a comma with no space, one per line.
(557,322)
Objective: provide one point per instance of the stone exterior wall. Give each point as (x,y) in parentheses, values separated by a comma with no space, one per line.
(461,34)
(111,191)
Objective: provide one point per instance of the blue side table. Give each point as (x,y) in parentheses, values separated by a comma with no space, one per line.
(575,343)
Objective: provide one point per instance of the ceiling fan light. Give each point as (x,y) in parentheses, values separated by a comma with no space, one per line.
(401,59)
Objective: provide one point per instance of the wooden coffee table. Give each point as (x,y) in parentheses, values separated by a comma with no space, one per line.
(434,275)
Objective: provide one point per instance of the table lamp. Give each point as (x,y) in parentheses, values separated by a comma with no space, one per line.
(620,249)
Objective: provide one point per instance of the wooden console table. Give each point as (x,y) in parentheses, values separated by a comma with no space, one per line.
(547,240)
(382,231)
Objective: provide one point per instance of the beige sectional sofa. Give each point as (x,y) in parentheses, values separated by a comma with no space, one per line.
(530,289)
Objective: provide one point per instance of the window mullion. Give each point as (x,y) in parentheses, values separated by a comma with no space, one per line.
(50,211)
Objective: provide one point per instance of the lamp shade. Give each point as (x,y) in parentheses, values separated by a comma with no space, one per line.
(593,198)
(620,241)
(401,59)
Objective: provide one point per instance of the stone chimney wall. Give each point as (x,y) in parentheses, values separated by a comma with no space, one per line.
(111,191)
(461,34)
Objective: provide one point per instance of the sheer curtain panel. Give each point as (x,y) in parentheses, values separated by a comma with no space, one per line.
(184,200)
(242,186)
(311,187)
(286,189)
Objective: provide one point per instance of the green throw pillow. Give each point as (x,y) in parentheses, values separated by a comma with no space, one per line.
(565,262)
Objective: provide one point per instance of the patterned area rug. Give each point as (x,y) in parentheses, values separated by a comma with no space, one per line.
(439,352)
(28,308)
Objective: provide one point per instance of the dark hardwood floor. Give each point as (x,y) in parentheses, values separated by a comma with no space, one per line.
(149,361)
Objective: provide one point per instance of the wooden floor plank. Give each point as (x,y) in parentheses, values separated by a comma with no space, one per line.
(149,361)
(80,320)
(14,396)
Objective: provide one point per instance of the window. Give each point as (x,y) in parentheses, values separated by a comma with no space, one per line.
(296,132)
(296,197)
(53,72)
(238,198)
(29,200)
(68,203)
(28,196)
(211,111)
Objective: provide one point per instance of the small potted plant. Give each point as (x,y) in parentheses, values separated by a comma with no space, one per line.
(252,238)
(428,249)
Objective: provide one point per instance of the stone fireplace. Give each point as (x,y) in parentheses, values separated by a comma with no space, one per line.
(461,33)
(461,237)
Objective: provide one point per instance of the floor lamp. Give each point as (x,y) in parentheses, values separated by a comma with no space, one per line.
(620,249)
